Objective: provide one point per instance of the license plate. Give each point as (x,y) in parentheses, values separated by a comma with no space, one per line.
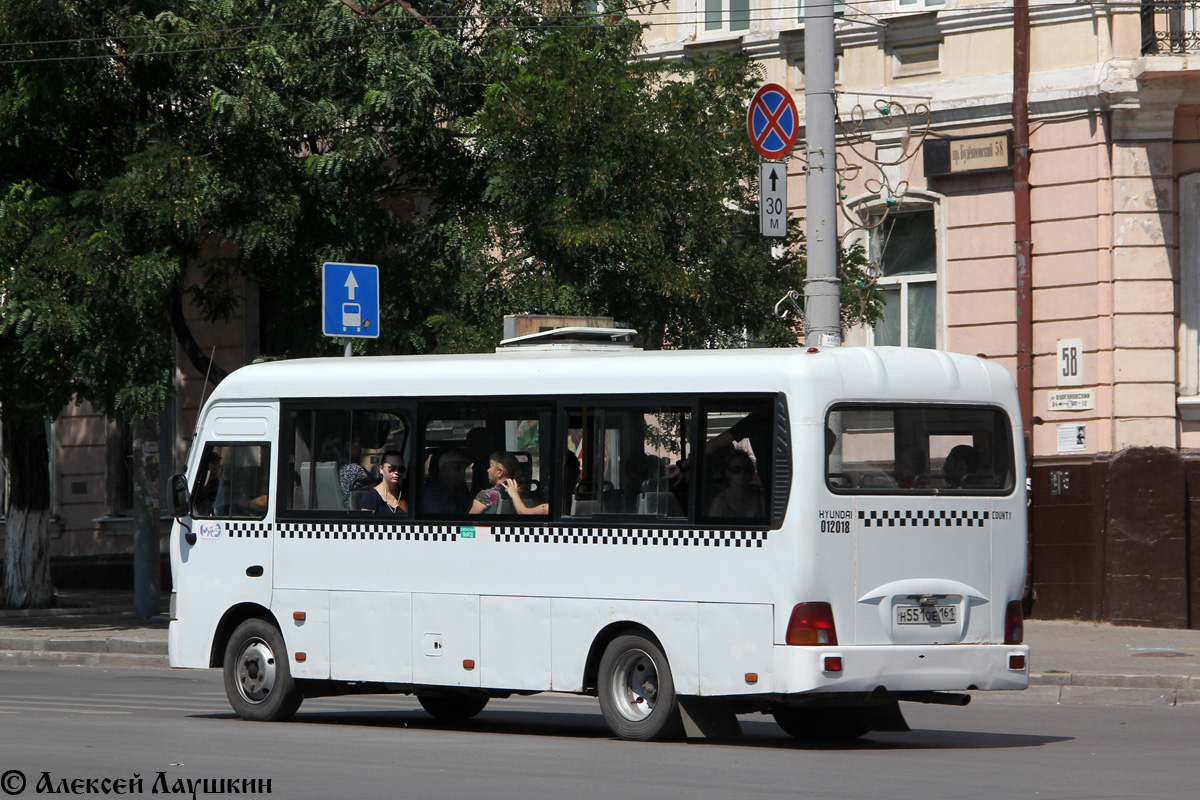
(926,615)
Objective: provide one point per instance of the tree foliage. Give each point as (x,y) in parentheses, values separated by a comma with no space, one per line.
(496,157)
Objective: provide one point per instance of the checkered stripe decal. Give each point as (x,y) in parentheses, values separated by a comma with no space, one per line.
(931,518)
(381,533)
(650,537)
(247,530)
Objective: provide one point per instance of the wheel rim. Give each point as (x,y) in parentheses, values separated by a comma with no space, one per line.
(635,685)
(255,671)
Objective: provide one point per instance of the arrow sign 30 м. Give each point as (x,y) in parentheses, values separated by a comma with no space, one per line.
(772,199)
(772,121)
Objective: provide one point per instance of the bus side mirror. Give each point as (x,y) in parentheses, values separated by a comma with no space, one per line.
(181,500)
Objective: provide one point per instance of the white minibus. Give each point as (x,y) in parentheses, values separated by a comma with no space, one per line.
(686,535)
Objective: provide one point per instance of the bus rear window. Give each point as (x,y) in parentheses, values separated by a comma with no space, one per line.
(918,449)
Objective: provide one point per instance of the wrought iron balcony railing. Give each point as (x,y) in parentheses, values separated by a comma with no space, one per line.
(1170,27)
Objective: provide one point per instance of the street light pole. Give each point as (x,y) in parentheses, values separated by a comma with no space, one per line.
(821,290)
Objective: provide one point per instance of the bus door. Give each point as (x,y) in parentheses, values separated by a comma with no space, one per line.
(924,481)
(224,554)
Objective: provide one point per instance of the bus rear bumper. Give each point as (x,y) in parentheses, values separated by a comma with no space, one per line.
(901,668)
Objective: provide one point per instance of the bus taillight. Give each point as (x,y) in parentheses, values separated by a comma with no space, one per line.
(1014,627)
(812,624)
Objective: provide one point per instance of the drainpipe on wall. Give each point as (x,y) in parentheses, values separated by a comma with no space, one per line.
(1024,243)
(1023,246)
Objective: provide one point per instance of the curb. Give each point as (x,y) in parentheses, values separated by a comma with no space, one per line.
(1102,689)
(46,658)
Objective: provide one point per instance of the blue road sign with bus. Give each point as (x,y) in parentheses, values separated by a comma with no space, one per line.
(350,300)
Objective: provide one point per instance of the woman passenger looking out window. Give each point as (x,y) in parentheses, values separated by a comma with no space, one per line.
(385,497)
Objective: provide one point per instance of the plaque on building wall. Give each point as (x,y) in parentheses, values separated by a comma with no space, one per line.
(1074,400)
(958,155)
(1072,437)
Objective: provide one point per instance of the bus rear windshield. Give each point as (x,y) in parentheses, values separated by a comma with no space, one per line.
(918,449)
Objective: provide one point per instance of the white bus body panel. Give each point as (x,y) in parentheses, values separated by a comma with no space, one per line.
(411,602)
(370,636)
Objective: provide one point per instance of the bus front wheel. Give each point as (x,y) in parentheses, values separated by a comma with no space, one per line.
(258,678)
(637,694)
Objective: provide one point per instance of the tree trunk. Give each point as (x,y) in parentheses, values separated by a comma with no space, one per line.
(27,546)
(146,557)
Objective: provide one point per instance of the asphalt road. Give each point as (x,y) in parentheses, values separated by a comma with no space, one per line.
(79,723)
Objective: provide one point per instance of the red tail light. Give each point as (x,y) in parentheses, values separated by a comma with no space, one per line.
(812,624)
(1014,625)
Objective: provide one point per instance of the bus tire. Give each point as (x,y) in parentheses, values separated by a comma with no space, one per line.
(258,676)
(637,694)
(821,724)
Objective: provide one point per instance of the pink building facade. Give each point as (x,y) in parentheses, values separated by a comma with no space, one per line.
(1114,168)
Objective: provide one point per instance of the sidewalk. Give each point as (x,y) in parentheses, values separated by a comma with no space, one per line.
(1079,663)
(86,628)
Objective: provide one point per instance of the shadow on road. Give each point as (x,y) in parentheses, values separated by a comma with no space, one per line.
(757,734)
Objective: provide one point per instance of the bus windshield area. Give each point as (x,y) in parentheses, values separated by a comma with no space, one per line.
(918,449)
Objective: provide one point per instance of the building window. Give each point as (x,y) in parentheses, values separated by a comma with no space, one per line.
(726,15)
(913,5)
(918,59)
(797,64)
(904,246)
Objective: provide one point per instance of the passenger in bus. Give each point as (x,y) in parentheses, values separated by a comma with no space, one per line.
(960,462)
(205,497)
(447,492)
(911,468)
(352,475)
(385,499)
(479,451)
(741,497)
(644,472)
(755,427)
(505,474)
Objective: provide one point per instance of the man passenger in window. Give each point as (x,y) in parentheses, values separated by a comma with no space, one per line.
(385,498)
(447,492)
(505,474)
(960,462)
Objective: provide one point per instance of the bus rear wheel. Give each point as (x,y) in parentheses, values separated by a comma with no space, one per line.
(637,694)
(821,724)
(452,708)
(258,678)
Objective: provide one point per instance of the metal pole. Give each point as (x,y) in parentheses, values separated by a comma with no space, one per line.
(821,291)
(347,349)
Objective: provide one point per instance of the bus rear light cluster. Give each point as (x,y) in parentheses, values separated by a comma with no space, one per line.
(1014,625)
(811,624)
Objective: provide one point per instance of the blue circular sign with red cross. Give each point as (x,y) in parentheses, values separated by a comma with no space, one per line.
(772,121)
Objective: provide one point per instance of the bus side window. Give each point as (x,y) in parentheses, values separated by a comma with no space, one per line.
(735,480)
(232,482)
(628,462)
